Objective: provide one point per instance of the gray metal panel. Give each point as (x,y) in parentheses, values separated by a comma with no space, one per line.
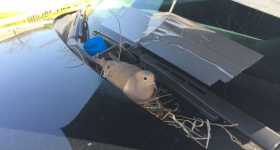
(130,23)
(202,53)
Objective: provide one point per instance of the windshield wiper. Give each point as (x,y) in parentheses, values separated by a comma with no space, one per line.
(84,27)
(79,30)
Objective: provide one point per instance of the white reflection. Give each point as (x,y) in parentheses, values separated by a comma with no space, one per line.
(30,6)
(113,4)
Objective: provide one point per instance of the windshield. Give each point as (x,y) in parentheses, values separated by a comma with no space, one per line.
(44,87)
(53,100)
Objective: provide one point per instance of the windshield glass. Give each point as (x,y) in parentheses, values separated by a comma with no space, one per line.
(44,87)
(52,100)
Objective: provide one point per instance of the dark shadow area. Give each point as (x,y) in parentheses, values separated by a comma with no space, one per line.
(110,117)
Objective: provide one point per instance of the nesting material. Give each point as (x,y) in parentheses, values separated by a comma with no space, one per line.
(138,84)
(197,129)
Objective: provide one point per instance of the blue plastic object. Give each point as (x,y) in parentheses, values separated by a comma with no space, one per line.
(95,45)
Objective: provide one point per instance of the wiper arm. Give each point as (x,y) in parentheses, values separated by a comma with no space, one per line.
(79,30)
(85,29)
